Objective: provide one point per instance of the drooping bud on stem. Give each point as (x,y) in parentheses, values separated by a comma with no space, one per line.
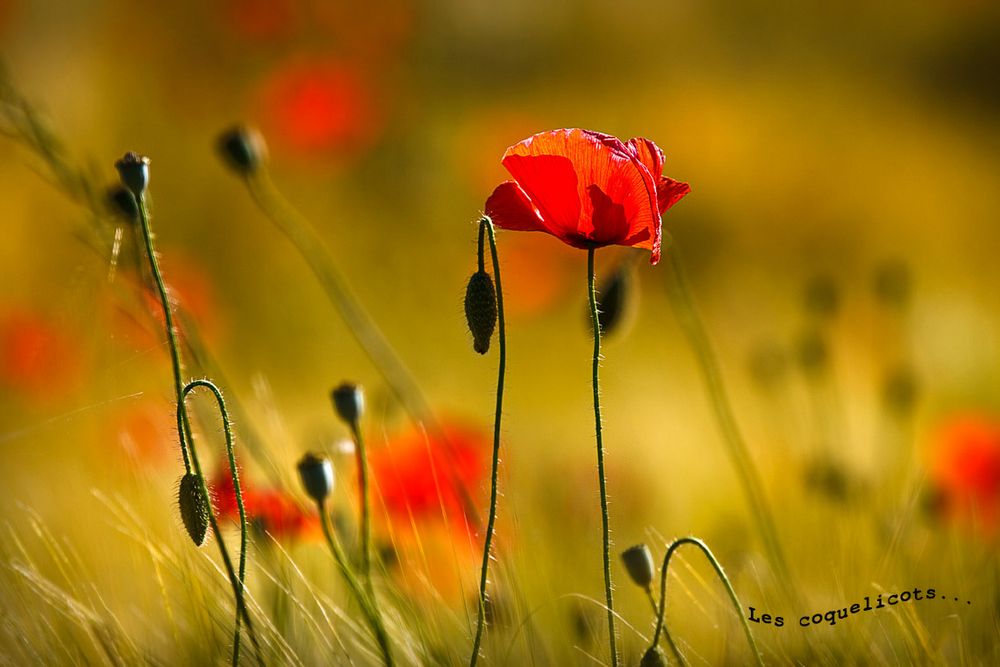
(134,172)
(481,310)
(242,149)
(654,657)
(349,401)
(316,473)
(194,512)
(638,562)
(122,202)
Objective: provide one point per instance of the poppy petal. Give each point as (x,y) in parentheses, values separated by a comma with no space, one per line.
(550,182)
(509,208)
(669,192)
(649,155)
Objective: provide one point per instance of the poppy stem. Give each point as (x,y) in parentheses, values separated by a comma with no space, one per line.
(238,581)
(184,425)
(367,605)
(694,329)
(671,549)
(609,597)
(486,227)
(366,523)
(363,328)
(666,631)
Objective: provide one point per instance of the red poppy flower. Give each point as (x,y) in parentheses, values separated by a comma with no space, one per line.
(586,188)
(418,476)
(271,510)
(37,358)
(967,470)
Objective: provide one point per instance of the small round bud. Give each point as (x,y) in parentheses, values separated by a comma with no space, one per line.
(614,299)
(134,172)
(316,473)
(349,401)
(638,562)
(242,149)
(122,202)
(481,310)
(653,657)
(194,512)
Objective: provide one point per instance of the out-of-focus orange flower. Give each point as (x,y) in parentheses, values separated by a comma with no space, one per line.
(966,470)
(318,108)
(146,432)
(419,477)
(37,359)
(587,189)
(271,510)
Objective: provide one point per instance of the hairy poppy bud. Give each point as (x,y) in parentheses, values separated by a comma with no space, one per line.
(654,657)
(243,149)
(639,563)
(122,202)
(316,473)
(194,512)
(614,299)
(349,401)
(481,310)
(134,172)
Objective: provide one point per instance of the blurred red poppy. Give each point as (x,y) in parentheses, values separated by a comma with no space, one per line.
(271,510)
(586,188)
(966,470)
(146,432)
(37,359)
(419,476)
(318,107)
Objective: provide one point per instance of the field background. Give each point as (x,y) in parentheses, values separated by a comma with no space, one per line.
(823,144)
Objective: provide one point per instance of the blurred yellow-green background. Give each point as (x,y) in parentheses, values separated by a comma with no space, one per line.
(826,145)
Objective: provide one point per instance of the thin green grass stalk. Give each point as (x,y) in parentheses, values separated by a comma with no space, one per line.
(365,527)
(371,614)
(674,546)
(605,523)
(379,351)
(486,227)
(239,587)
(694,329)
(666,631)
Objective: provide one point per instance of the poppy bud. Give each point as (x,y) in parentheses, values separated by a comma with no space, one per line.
(194,512)
(243,149)
(134,172)
(481,310)
(349,401)
(654,657)
(639,564)
(121,201)
(316,473)
(614,299)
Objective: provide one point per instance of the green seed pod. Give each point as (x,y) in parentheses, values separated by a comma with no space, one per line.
(194,512)
(316,474)
(242,149)
(481,310)
(134,172)
(638,562)
(654,657)
(349,401)
(122,202)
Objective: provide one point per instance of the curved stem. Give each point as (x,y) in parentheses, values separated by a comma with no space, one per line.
(666,631)
(184,425)
(676,544)
(486,226)
(371,614)
(380,352)
(600,458)
(237,582)
(694,329)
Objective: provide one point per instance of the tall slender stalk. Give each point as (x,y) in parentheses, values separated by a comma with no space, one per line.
(666,631)
(486,226)
(366,521)
(237,581)
(674,546)
(694,330)
(608,590)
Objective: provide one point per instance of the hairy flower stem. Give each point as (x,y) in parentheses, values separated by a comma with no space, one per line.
(184,424)
(383,356)
(694,329)
(666,631)
(486,227)
(366,521)
(676,544)
(608,594)
(368,608)
(238,581)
